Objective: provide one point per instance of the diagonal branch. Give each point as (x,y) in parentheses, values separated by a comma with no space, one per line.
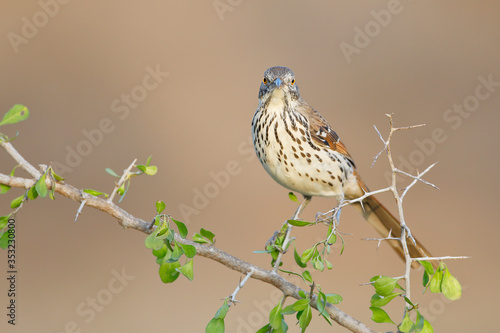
(127,220)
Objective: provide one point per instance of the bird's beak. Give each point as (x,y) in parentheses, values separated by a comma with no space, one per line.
(278,83)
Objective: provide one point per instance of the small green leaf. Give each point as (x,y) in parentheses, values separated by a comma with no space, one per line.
(428,266)
(199,239)
(183,231)
(4,188)
(407,324)
(450,286)
(298,223)
(425,279)
(121,189)
(187,270)
(302,293)
(293,197)
(16,114)
(215,326)
(56,176)
(112,173)
(305,318)
(41,186)
(4,240)
(17,202)
(300,305)
(380,316)
(435,285)
(207,234)
(161,252)
(385,285)
(379,301)
(151,170)
(32,194)
(221,313)
(168,272)
(427,328)
(307,276)
(95,193)
(419,322)
(297,258)
(4,220)
(288,310)
(333,298)
(160,206)
(307,254)
(275,316)
(189,250)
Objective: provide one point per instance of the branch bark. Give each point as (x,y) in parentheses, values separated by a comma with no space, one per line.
(127,220)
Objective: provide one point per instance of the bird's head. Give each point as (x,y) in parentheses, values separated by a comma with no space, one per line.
(279,82)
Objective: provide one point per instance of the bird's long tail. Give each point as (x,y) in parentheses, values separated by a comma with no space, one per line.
(383,221)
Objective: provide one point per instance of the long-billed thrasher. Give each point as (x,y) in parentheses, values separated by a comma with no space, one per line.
(301,152)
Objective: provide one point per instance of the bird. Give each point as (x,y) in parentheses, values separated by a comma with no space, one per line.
(300,151)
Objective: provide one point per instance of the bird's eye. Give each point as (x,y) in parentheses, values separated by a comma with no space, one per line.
(293,82)
(264,80)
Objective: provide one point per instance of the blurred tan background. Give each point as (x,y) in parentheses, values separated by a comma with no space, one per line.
(74,64)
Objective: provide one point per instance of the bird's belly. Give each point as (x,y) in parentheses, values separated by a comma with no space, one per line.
(307,171)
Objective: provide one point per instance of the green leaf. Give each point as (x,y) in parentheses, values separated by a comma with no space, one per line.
(288,310)
(297,258)
(161,252)
(450,286)
(385,285)
(215,326)
(302,293)
(428,266)
(32,194)
(151,170)
(95,192)
(318,263)
(293,197)
(4,220)
(380,316)
(160,206)
(427,328)
(379,301)
(16,114)
(199,239)
(298,223)
(168,272)
(275,316)
(17,202)
(419,322)
(307,276)
(189,250)
(56,176)
(321,303)
(333,298)
(300,305)
(435,285)
(112,173)
(41,186)
(305,318)
(4,240)
(207,234)
(328,264)
(187,270)
(425,279)
(221,313)
(307,254)
(175,254)
(183,231)
(4,188)
(407,324)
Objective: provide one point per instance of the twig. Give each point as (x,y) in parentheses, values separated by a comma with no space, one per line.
(232,297)
(124,177)
(288,232)
(79,211)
